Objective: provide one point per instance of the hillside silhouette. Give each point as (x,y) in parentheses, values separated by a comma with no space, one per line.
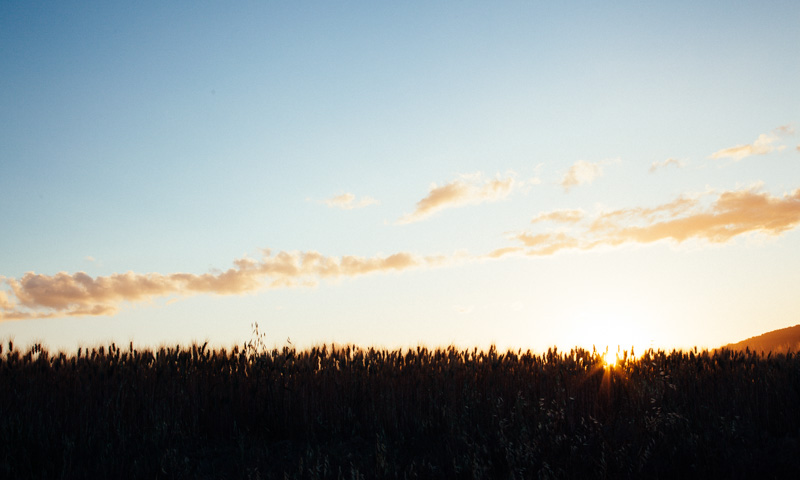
(776,341)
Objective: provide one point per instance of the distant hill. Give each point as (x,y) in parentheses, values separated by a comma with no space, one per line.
(778,341)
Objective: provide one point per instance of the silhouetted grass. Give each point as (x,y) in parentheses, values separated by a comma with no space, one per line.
(348,412)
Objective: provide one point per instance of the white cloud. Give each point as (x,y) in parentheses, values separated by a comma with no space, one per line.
(347,201)
(583,173)
(663,164)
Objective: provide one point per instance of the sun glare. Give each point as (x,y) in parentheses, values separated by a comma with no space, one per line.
(608,358)
(612,333)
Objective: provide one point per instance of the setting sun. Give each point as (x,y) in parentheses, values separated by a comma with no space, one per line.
(608,358)
(614,329)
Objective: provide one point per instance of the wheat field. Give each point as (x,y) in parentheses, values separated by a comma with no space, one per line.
(350,412)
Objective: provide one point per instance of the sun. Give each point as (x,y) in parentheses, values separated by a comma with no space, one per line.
(612,332)
(608,358)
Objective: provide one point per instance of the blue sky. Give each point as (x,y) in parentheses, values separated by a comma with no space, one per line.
(174,139)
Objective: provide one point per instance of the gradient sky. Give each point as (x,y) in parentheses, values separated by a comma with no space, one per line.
(524,173)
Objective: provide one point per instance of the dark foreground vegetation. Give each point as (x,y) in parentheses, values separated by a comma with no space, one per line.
(345,412)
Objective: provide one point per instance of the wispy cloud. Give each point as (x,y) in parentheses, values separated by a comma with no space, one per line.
(677,207)
(5,303)
(502,252)
(560,216)
(663,164)
(762,146)
(733,213)
(469,189)
(730,214)
(708,216)
(347,201)
(78,294)
(583,173)
(544,244)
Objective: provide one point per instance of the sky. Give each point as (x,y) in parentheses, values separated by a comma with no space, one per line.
(390,174)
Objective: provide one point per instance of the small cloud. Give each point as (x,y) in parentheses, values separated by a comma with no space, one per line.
(470,189)
(347,201)
(531,240)
(762,146)
(5,303)
(536,179)
(663,164)
(545,244)
(502,252)
(583,173)
(90,258)
(464,310)
(560,216)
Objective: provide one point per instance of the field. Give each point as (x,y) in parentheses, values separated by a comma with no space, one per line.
(348,412)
